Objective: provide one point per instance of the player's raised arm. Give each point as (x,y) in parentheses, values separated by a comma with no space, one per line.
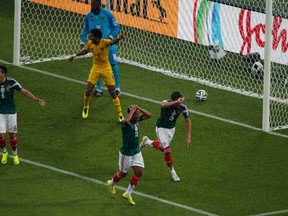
(117,39)
(129,117)
(146,114)
(178,101)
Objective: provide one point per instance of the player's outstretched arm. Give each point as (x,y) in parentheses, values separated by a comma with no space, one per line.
(80,53)
(28,94)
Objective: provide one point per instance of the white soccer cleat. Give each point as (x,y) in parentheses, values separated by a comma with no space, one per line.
(118,92)
(146,141)
(174,176)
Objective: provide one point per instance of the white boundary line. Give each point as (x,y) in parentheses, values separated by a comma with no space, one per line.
(272,213)
(151,100)
(118,187)
(135,192)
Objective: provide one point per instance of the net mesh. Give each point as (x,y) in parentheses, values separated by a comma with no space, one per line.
(216,43)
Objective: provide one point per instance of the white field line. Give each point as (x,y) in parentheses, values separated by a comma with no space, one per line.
(151,100)
(195,210)
(272,213)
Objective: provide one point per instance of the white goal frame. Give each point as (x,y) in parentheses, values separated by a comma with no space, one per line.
(267,63)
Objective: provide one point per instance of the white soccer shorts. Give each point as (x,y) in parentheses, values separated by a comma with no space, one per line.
(125,162)
(8,123)
(165,136)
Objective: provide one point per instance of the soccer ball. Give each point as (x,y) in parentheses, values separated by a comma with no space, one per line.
(257,67)
(257,70)
(201,95)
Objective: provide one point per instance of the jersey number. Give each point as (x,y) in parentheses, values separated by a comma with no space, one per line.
(172,116)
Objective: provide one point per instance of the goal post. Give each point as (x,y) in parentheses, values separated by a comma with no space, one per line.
(219,43)
(17,30)
(267,67)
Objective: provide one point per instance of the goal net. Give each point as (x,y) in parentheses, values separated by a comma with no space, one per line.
(215,43)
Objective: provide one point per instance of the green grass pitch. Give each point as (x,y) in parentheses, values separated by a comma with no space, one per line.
(231,168)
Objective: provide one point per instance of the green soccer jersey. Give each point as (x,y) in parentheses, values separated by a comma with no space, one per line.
(169,115)
(130,135)
(7,105)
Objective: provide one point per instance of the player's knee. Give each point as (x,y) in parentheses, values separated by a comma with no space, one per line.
(12,136)
(2,142)
(112,92)
(134,180)
(167,150)
(137,171)
(13,142)
(2,136)
(88,92)
(138,174)
(122,174)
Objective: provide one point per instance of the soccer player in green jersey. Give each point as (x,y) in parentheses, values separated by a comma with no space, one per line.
(165,129)
(101,68)
(130,153)
(8,114)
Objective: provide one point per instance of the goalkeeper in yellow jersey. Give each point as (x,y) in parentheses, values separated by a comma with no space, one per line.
(101,68)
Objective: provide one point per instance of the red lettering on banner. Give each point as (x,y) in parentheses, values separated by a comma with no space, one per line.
(282,35)
(194,21)
(248,33)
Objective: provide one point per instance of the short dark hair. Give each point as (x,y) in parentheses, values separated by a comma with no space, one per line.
(96,33)
(3,68)
(129,109)
(175,95)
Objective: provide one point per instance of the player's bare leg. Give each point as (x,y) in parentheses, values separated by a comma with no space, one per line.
(87,95)
(116,178)
(133,183)
(169,161)
(116,101)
